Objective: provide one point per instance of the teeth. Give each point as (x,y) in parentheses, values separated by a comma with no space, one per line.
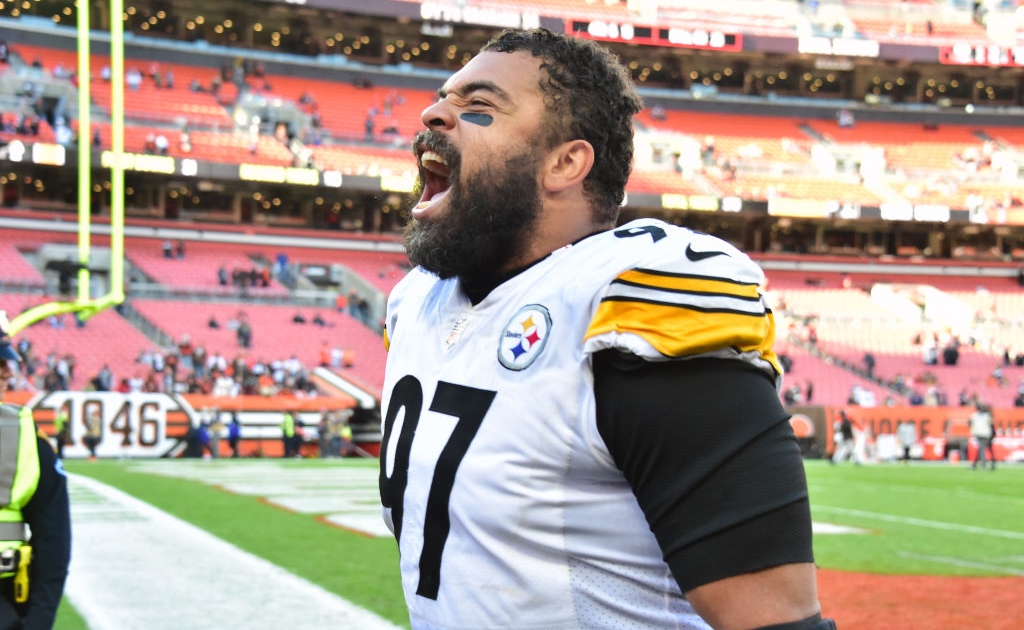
(430,156)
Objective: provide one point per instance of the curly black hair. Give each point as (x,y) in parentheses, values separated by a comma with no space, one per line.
(591,97)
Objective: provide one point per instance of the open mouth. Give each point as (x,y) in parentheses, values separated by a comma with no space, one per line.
(435,173)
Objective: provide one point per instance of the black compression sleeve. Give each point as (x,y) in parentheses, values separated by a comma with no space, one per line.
(48,517)
(714,464)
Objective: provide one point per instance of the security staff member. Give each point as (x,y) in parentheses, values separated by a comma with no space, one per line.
(33,492)
(289,436)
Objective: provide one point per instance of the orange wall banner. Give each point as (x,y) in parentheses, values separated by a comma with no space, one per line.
(930,421)
(143,424)
(936,426)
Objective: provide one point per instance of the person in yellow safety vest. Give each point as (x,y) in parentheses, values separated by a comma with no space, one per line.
(61,430)
(33,492)
(345,430)
(288,435)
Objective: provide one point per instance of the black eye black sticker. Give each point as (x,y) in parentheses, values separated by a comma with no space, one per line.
(484,120)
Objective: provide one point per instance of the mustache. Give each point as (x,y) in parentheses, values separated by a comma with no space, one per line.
(429,140)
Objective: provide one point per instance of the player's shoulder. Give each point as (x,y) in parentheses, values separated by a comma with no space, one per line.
(676,292)
(660,248)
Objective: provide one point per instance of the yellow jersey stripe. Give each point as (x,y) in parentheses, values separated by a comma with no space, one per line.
(689,283)
(682,330)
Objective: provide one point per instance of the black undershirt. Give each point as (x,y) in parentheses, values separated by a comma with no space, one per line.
(713,462)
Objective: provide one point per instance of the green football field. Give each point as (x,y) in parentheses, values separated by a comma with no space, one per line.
(926,519)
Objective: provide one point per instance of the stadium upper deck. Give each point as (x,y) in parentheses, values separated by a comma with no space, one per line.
(763,81)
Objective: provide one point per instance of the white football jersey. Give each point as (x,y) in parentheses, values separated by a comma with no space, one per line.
(508,508)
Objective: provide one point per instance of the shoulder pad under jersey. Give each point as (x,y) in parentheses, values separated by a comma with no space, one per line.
(684,294)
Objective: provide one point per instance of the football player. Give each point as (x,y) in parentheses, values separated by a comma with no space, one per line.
(581,421)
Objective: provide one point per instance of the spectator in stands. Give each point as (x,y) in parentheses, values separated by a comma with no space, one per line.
(161,144)
(25,350)
(254,135)
(845,119)
(869,364)
(133,78)
(348,358)
(808,391)
(298,318)
(368,127)
(998,377)
(707,151)
(244,332)
(63,133)
(950,354)
(104,379)
(179,249)
(168,249)
(930,353)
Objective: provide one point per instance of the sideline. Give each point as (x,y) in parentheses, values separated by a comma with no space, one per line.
(124,575)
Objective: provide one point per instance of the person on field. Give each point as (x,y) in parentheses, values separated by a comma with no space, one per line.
(581,421)
(982,430)
(35,518)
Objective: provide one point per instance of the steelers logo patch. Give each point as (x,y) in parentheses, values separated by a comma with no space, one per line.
(524,337)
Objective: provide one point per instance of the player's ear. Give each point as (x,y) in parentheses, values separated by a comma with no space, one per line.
(567,165)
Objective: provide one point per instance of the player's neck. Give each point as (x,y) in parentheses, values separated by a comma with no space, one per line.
(479,287)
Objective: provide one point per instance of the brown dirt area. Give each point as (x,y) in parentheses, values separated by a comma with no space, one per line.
(860,601)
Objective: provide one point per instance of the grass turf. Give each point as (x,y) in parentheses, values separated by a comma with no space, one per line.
(922,519)
(925,519)
(362,569)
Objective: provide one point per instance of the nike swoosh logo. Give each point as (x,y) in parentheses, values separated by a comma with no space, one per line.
(696,256)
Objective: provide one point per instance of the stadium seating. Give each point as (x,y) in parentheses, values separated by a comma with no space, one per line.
(344,108)
(16,270)
(91,345)
(148,103)
(198,270)
(371,161)
(380,269)
(275,335)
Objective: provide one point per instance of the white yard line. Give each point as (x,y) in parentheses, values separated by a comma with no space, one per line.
(960,562)
(135,567)
(920,522)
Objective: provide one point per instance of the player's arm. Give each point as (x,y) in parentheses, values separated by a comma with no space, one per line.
(708,450)
(47,514)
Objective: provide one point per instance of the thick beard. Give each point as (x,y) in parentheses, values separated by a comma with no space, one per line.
(476,239)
